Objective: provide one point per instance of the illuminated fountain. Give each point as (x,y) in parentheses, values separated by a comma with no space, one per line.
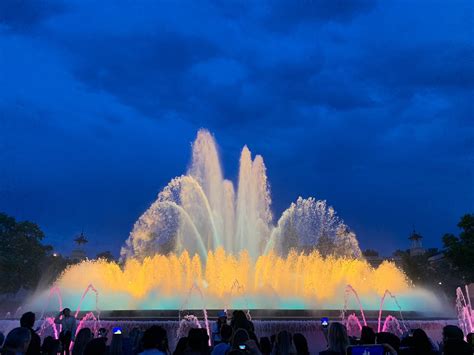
(464,311)
(201,212)
(203,234)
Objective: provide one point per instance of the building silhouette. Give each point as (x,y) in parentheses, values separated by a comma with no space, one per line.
(416,246)
(79,253)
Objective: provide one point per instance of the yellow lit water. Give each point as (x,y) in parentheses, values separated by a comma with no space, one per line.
(311,279)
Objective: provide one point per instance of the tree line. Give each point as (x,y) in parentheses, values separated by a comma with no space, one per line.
(444,269)
(25,261)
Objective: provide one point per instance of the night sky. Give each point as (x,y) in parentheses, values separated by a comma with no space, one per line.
(366,104)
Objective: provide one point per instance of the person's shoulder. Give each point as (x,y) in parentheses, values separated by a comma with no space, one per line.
(35,343)
(220,348)
(152,352)
(34,334)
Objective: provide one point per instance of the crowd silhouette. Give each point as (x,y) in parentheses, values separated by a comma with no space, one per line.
(235,336)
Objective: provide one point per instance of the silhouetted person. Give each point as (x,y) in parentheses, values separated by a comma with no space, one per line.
(216,327)
(453,341)
(470,340)
(240,337)
(225,336)
(181,346)
(68,329)
(96,346)
(240,321)
(301,344)
(388,338)
(197,341)
(338,340)
(17,341)
(27,320)
(155,341)
(421,344)
(283,344)
(265,346)
(102,333)
(82,338)
(116,345)
(252,347)
(237,352)
(367,336)
(50,346)
(2,339)
(205,340)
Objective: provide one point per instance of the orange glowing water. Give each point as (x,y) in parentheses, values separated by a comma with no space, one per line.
(310,278)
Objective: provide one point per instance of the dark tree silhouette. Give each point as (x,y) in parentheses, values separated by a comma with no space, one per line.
(370,252)
(106,255)
(460,250)
(21,254)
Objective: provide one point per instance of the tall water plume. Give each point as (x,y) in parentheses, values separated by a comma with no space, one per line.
(311,224)
(253,205)
(200,211)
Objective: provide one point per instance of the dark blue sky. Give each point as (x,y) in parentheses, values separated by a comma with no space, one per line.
(368,104)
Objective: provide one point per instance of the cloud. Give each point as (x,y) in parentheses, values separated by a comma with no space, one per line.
(345,101)
(220,71)
(162,66)
(439,65)
(284,15)
(25,15)
(146,72)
